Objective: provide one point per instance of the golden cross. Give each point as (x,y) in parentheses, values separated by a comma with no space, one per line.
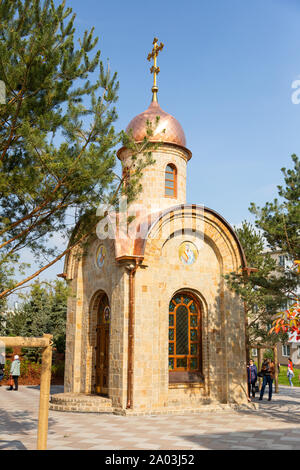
(154,69)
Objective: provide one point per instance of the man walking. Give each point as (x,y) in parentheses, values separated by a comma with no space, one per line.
(268,370)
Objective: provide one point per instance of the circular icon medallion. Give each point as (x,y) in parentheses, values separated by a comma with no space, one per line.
(100,256)
(188,253)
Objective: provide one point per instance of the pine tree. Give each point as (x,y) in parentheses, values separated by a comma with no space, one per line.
(263,291)
(57,135)
(279,222)
(42,310)
(272,288)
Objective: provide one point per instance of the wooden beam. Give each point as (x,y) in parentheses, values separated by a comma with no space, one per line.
(19,341)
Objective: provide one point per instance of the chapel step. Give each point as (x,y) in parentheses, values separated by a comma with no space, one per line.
(80,402)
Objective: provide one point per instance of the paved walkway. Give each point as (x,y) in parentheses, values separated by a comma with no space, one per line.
(276,425)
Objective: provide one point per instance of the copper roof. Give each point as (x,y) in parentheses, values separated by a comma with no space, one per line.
(168,128)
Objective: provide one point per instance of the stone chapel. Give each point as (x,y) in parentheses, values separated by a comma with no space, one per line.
(151,326)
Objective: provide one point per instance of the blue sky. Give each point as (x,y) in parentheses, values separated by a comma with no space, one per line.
(226,74)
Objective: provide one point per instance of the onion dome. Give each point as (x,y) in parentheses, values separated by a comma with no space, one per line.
(167,129)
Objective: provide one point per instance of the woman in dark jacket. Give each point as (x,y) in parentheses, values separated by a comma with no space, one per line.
(268,370)
(252,378)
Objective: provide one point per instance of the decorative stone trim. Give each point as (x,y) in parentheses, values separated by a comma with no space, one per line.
(81,403)
(186,411)
(80,409)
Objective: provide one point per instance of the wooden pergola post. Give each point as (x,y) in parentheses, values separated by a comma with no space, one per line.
(46,344)
(44,395)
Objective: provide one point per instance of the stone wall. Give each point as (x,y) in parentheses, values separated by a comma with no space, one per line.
(88,284)
(152,198)
(161,275)
(223,329)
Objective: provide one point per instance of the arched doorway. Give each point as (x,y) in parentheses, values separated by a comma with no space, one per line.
(185,338)
(102,346)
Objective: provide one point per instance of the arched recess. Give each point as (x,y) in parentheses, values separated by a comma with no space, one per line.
(185,348)
(214,229)
(100,339)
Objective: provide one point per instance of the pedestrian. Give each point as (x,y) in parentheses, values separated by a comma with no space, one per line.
(2,366)
(15,372)
(252,378)
(290,371)
(268,371)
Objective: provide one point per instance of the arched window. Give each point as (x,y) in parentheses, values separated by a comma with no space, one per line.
(185,353)
(171,181)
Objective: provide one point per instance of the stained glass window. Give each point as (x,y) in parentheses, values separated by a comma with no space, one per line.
(182,330)
(182,362)
(193,363)
(184,334)
(193,335)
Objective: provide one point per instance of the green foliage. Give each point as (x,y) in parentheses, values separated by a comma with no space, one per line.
(31,371)
(7,369)
(269,354)
(28,368)
(264,291)
(280,220)
(271,288)
(43,310)
(57,135)
(58,369)
(283,379)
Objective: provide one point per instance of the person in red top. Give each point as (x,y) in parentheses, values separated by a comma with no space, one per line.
(290,371)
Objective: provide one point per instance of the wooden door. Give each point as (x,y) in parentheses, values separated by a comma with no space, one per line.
(102,348)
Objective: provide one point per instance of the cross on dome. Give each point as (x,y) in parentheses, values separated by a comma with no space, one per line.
(168,129)
(154,69)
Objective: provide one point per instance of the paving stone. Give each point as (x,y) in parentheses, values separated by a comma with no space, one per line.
(268,427)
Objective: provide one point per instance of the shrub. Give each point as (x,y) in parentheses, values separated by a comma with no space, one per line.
(58,369)
(30,371)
